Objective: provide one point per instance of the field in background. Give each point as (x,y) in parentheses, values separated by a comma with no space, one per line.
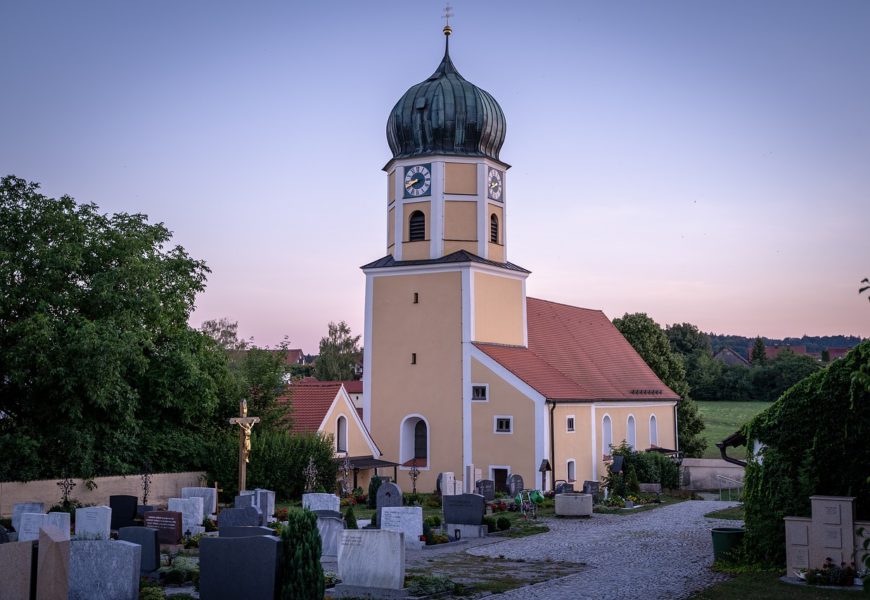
(721,419)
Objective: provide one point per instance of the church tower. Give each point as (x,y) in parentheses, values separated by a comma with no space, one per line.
(445,282)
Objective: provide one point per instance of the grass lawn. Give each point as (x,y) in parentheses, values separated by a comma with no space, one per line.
(767,586)
(721,419)
(735,513)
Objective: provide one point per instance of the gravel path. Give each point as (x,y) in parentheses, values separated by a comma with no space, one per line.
(663,553)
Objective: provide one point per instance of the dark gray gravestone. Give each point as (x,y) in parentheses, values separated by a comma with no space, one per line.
(233,531)
(244,517)
(123,511)
(486,488)
(147,538)
(618,461)
(4,537)
(591,487)
(144,508)
(563,487)
(243,567)
(389,494)
(167,523)
(249,501)
(515,484)
(464,509)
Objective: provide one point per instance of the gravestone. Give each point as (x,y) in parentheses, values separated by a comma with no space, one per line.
(52,569)
(191,513)
(564,487)
(244,500)
(104,569)
(448,483)
(234,532)
(389,494)
(30,523)
(515,484)
(371,559)
(241,567)
(93,522)
(328,513)
(408,520)
(146,537)
(650,488)
(486,488)
(321,502)
(4,535)
(330,529)
(167,524)
(144,508)
(245,517)
(61,520)
(25,507)
(266,504)
(618,461)
(208,495)
(830,533)
(18,567)
(592,487)
(465,509)
(123,511)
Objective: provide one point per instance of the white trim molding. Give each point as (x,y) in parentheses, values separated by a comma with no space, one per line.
(508,418)
(402,442)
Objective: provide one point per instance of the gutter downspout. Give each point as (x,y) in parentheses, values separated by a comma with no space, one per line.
(552,446)
(677,426)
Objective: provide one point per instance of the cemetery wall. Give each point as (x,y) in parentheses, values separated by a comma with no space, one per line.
(700,473)
(163,487)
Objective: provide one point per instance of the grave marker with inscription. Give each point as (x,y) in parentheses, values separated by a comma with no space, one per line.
(25,507)
(830,533)
(372,559)
(408,520)
(167,524)
(486,488)
(93,523)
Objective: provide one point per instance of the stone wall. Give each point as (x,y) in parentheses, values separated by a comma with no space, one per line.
(700,473)
(163,487)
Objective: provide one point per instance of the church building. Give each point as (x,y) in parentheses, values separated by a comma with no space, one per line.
(463,371)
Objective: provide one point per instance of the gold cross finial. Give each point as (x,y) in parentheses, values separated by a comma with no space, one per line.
(448,12)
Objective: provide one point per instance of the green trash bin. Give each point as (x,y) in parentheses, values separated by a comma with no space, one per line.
(726,539)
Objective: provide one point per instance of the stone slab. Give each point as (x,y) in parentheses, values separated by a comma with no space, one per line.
(797,543)
(147,538)
(372,558)
(93,522)
(123,511)
(191,512)
(104,569)
(330,529)
(266,504)
(833,530)
(208,495)
(167,524)
(32,522)
(465,509)
(242,567)
(573,505)
(25,507)
(462,531)
(408,520)
(17,570)
(448,483)
(243,531)
(245,517)
(52,569)
(321,502)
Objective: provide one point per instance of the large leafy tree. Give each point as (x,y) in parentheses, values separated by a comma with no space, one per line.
(339,351)
(651,342)
(99,370)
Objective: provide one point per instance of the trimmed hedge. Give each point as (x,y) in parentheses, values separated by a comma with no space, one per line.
(815,442)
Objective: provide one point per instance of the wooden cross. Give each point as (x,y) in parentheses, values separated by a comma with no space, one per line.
(246,424)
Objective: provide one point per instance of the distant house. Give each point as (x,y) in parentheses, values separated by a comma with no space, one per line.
(835,353)
(295,356)
(771,352)
(730,357)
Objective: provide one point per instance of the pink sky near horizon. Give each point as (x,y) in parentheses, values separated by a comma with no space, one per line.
(703,163)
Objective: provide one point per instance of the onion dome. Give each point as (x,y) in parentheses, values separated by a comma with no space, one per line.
(446,115)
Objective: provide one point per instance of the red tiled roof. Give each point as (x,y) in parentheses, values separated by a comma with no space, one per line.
(295,356)
(310,401)
(577,354)
(353,386)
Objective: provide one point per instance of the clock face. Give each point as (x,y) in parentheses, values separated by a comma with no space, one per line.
(418,180)
(494,184)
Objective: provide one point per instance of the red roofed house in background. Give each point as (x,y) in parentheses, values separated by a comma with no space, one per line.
(463,373)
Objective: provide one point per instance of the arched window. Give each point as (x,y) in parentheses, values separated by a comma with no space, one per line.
(414,441)
(421,440)
(493,229)
(631,436)
(606,435)
(571,473)
(653,431)
(341,435)
(417,227)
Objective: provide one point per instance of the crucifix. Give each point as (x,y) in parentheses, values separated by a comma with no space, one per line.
(246,424)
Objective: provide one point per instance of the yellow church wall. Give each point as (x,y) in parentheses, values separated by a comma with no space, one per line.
(498,309)
(576,445)
(460,221)
(432,387)
(415,250)
(391,186)
(496,252)
(515,450)
(460,178)
(357,445)
(451,247)
(619,419)
(391,228)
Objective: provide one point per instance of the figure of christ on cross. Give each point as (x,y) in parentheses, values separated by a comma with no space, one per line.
(246,424)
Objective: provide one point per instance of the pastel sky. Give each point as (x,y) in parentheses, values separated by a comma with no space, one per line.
(698,161)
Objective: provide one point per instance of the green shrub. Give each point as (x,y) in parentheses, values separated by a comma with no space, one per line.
(649,467)
(433,520)
(374,484)
(151,593)
(503,523)
(350,518)
(175,576)
(814,442)
(490,523)
(428,585)
(631,482)
(301,573)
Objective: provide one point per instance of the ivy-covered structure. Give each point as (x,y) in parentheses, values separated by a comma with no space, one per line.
(814,440)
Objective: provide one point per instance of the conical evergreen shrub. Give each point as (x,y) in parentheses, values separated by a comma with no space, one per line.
(350,519)
(301,573)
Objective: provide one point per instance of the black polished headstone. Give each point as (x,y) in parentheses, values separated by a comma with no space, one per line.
(123,511)
(464,509)
(245,517)
(236,531)
(147,538)
(242,567)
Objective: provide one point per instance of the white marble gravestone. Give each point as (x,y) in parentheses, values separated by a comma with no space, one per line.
(372,558)
(321,502)
(448,483)
(93,522)
(191,513)
(408,520)
(208,495)
(25,507)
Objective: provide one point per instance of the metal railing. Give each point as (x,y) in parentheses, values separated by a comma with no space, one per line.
(730,485)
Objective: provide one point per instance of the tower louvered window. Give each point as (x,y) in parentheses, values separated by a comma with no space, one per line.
(417,227)
(493,229)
